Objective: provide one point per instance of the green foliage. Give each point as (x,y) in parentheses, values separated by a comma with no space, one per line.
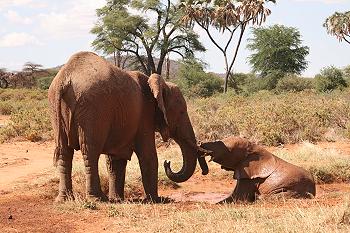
(277,49)
(44,82)
(195,82)
(247,84)
(329,79)
(119,28)
(293,83)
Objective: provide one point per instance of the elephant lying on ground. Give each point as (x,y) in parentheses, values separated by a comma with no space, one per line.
(100,109)
(259,172)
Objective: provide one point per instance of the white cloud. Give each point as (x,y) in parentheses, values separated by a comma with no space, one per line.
(18,39)
(28,3)
(75,20)
(14,17)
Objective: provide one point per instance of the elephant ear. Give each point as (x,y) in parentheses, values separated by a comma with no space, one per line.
(158,88)
(258,164)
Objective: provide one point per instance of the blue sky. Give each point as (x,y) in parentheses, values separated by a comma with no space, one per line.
(49,31)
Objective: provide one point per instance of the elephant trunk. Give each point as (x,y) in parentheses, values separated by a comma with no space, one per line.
(190,153)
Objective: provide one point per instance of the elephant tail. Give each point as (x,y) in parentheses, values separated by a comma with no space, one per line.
(60,134)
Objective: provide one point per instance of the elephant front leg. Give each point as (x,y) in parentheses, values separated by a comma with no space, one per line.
(116,171)
(64,165)
(93,185)
(149,173)
(147,155)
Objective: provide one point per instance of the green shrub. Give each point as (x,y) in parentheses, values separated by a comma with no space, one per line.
(44,82)
(194,82)
(293,83)
(329,79)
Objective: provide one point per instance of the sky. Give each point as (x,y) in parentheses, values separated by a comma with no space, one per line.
(48,32)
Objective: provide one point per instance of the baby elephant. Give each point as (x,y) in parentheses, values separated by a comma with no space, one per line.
(258,172)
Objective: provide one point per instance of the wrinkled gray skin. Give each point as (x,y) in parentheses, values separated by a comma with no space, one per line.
(100,109)
(258,172)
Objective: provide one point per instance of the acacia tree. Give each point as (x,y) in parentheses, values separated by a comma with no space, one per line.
(338,25)
(226,16)
(118,29)
(277,49)
(31,68)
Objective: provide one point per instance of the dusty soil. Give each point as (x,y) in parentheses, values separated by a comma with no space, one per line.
(22,209)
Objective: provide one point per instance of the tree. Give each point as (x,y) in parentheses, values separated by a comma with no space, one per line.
(329,79)
(338,25)
(31,67)
(227,16)
(142,36)
(277,49)
(194,81)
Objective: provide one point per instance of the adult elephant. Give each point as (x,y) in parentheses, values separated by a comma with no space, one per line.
(100,109)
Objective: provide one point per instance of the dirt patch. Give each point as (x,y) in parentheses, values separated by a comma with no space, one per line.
(32,209)
(22,162)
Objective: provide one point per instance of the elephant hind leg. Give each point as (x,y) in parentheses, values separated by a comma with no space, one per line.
(64,164)
(245,191)
(116,171)
(93,184)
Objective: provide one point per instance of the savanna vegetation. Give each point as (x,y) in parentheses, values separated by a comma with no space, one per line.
(274,106)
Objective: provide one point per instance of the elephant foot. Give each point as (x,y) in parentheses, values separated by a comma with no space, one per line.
(157,200)
(97,197)
(66,196)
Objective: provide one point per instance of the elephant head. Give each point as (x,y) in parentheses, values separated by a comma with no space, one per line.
(172,121)
(248,160)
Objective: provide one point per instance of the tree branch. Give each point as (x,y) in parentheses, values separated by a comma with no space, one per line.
(210,36)
(237,47)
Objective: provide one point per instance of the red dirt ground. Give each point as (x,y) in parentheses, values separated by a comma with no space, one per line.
(24,163)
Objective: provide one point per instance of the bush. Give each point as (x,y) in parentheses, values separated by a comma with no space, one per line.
(329,79)
(32,124)
(272,119)
(44,82)
(193,81)
(29,114)
(293,83)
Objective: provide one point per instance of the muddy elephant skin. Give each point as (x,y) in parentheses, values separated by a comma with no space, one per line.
(258,172)
(99,109)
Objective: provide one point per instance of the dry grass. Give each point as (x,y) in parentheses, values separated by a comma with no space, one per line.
(273,119)
(326,165)
(284,216)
